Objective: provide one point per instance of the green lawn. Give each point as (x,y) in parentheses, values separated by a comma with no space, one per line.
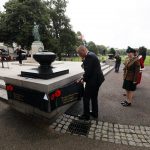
(71,59)
(147,61)
(102,58)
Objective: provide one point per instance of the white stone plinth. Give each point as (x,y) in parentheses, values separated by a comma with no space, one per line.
(36,47)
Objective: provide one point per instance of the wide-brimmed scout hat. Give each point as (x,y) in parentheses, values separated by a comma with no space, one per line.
(130,50)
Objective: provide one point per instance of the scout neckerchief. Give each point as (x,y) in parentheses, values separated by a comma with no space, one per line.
(128,63)
(132,61)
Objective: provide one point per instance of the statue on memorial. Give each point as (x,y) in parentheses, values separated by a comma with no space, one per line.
(35,32)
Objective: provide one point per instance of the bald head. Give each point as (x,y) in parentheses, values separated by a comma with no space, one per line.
(82,51)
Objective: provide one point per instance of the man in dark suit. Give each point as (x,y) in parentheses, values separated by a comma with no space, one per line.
(93,77)
(117,63)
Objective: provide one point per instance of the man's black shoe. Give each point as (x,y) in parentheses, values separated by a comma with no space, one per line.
(123,102)
(126,104)
(93,115)
(84,117)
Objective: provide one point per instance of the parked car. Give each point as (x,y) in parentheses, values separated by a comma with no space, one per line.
(4,55)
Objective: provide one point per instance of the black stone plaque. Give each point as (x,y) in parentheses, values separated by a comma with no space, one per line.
(29,96)
(67,94)
(46,102)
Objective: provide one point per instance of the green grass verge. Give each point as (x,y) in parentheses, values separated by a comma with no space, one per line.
(147,61)
(103,58)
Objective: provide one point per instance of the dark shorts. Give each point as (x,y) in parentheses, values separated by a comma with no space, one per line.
(129,86)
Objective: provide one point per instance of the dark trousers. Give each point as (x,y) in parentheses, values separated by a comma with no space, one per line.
(90,93)
(20,61)
(117,66)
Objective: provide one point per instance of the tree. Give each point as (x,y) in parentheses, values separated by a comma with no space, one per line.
(102,49)
(122,51)
(68,41)
(79,37)
(148,52)
(112,51)
(17,21)
(92,47)
(61,29)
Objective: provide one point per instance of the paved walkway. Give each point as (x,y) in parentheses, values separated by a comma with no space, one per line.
(116,124)
(110,96)
(117,127)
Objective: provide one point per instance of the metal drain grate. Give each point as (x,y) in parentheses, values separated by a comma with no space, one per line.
(79,127)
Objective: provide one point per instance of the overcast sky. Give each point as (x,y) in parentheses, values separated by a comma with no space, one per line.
(113,23)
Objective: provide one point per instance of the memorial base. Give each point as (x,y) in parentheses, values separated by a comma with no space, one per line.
(30,110)
(45,98)
(44,73)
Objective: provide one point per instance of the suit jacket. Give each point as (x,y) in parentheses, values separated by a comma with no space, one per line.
(93,75)
(118,59)
(131,69)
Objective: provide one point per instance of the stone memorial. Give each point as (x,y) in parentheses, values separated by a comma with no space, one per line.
(45,98)
(45,70)
(45,90)
(37,45)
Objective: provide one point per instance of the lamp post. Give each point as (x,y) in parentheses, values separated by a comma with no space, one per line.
(1,53)
(2,62)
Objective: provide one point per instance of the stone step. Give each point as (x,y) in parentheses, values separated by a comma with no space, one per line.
(104,67)
(3,94)
(103,64)
(106,71)
(2,84)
